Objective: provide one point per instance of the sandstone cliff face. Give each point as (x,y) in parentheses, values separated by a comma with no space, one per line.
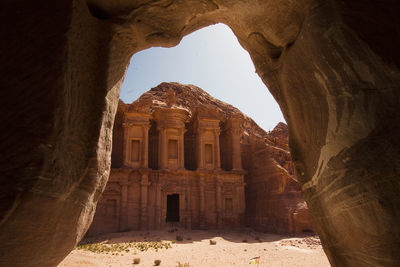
(273,198)
(273,195)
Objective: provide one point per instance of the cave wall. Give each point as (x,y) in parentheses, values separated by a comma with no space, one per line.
(333,67)
(58,110)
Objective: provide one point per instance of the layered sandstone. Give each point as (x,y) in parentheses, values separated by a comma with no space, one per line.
(333,67)
(273,194)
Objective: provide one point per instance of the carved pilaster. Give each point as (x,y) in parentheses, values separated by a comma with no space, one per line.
(241,209)
(125,127)
(145,146)
(217,160)
(202,202)
(181,148)
(143,201)
(218,192)
(163,148)
(199,149)
(188,205)
(158,206)
(123,215)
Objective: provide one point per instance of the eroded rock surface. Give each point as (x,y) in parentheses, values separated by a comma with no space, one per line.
(333,67)
(273,194)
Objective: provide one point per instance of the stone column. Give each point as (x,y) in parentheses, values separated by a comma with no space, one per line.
(200,149)
(143,201)
(188,205)
(202,203)
(236,153)
(158,206)
(218,205)
(125,149)
(217,160)
(182,149)
(163,149)
(241,203)
(145,147)
(123,211)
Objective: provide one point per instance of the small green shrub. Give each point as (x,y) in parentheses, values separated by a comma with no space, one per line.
(213,242)
(173,241)
(157,262)
(244,240)
(136,260)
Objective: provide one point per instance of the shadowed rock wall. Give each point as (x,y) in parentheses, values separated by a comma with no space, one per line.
(333,66)
(273,196)
(57,107)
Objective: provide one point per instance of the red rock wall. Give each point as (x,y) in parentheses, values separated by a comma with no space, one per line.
(274,202)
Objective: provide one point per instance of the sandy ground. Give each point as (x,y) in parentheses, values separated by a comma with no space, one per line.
(232,248)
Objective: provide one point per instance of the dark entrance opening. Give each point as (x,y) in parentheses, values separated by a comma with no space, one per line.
(173,208)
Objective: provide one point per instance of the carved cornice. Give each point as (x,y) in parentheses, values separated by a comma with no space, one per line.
(136,118)
(170,117)
(128,124)
(207,124)
(235,131)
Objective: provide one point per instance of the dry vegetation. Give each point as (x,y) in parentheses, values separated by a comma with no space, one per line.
(103,247)
(186,264)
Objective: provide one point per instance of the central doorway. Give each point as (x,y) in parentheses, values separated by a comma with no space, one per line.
(172,208)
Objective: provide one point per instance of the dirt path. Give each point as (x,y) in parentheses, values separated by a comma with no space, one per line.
(232,248)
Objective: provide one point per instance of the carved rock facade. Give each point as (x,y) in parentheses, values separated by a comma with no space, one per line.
(177,160)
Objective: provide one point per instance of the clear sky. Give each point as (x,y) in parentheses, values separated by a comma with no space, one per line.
(212,59)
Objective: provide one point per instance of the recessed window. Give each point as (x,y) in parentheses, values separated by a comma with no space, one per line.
(111,208)
(208,153)
(228,206)
(172,149)
(135,150)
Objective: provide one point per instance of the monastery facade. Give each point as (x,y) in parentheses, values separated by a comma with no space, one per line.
(175,168)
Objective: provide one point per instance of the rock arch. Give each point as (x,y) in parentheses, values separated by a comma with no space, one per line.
(333,67)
